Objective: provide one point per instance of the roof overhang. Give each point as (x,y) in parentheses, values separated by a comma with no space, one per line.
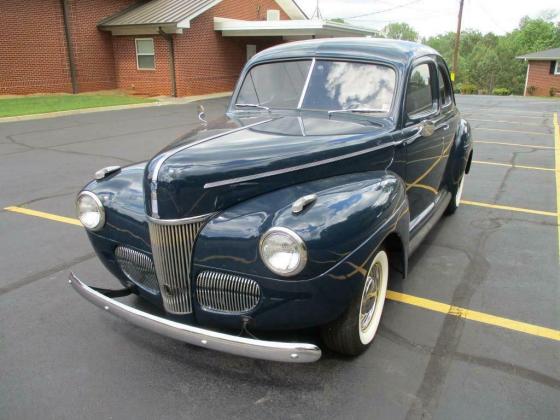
(289,29)
(538,58)
(149,17)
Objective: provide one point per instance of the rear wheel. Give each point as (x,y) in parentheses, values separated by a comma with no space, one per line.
(353,332)
(456,198)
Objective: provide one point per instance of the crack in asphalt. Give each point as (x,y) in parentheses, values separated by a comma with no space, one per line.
(449,337)
(10,287)
(487,362)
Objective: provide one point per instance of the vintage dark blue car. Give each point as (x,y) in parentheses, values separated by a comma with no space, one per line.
(334,160)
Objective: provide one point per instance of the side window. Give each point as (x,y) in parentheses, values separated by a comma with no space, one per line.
(419,96)
(444,87)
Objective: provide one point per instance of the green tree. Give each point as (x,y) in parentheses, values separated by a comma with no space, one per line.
(400,31)
(483,67)
(489,61)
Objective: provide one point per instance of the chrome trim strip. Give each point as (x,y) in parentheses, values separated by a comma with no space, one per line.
(183,221)
(240,346)
(169,153)
(306,84)
(414,222)
(297,167)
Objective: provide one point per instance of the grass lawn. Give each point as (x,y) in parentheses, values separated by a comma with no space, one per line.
(26,105)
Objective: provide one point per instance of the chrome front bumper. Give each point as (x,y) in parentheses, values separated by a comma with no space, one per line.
(257,349)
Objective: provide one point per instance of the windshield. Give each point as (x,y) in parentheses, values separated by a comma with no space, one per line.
(331,86)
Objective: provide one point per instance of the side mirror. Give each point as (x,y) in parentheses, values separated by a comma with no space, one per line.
(201,114)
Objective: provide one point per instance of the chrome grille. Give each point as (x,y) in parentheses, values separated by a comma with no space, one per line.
(138,267)
(172,246)
(224,292)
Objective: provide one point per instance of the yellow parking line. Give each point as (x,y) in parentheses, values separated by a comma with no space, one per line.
(44,215)
(428,304)
(502,114)
(509,208)
(509,165)
(471,315)
(533,133)
(557,165)
(504,111)
(506,122)
(502,143)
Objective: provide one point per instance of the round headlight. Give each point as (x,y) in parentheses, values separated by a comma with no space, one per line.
(283,251)
(90,210)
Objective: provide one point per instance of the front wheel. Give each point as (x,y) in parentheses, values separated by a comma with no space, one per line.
(456,198)
(353,332)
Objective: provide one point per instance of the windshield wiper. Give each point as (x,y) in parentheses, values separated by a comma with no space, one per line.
(358,110)
(252,106)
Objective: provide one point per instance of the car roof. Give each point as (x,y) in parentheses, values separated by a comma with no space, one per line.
(389,50)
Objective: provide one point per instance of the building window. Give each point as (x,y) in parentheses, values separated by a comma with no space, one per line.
(557,68)
(145,56)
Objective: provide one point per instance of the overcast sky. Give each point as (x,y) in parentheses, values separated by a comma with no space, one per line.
(431,17)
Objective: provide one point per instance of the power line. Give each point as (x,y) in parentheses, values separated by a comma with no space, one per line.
(384,10)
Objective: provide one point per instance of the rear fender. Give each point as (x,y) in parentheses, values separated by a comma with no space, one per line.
(459,156)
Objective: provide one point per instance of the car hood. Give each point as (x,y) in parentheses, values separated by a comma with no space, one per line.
(233,159)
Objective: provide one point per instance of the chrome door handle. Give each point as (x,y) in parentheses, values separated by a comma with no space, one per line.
(445,127)
(427,128)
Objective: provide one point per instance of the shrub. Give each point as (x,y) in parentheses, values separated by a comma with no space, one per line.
(468,89)
(552,91)
(483,91)
(501,91)
(531,90)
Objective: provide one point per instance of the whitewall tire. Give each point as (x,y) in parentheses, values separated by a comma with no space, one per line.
(353,332)
(456,198)
(373,297)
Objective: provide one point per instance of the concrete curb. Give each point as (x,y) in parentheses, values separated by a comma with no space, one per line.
(162,101)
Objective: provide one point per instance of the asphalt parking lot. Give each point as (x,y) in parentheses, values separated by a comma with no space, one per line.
(473,332)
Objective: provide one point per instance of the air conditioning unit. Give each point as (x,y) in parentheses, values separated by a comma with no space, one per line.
(273,14)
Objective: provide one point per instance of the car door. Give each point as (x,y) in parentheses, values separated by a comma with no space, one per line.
(425,155)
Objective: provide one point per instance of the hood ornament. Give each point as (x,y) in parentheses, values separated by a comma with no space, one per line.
(202,115)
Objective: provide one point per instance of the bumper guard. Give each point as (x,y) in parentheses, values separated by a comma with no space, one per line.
(240,346)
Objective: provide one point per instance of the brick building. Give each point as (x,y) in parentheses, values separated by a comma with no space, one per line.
(153,47)
(543,73)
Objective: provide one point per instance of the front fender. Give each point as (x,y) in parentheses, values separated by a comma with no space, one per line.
(351,211)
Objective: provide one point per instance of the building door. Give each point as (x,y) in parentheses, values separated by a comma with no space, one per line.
(251,51)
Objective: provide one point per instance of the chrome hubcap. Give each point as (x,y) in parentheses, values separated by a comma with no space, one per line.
(370,296)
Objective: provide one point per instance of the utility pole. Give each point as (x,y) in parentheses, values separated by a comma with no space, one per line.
(457,42)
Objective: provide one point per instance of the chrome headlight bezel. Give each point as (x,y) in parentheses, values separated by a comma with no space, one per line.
(299,246)
(100,210)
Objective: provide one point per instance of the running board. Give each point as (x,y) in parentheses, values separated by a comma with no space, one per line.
(432,217)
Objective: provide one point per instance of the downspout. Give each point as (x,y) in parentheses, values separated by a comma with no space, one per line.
(171,44)
(526,78)
(69,45)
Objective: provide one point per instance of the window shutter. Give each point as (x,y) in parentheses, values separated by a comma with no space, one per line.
(552,67)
